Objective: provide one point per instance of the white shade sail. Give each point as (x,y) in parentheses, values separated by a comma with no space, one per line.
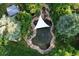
(41,23)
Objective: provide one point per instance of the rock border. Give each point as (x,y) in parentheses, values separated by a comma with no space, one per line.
(29,41)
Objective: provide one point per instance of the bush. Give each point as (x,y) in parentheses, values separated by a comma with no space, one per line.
(30,8)
(25,19)
(68,25)
(58,10)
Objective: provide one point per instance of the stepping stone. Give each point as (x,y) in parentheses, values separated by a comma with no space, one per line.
(12,10)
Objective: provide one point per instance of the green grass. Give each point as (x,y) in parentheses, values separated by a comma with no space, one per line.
(21,49)
(17,49)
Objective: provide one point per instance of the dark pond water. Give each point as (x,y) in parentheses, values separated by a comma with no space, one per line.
(43,38)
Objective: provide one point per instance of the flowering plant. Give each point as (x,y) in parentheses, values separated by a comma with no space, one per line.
(9,28)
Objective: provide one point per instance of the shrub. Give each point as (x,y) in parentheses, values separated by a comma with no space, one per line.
(68,25)
(58,10)
(25,19)
(9,29)
(30,8)
(2,9)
